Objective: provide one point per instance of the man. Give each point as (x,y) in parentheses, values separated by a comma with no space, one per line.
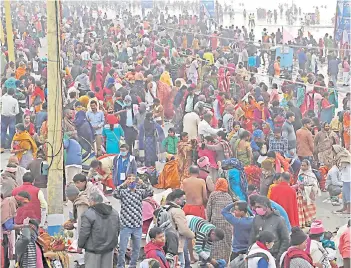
(298,116)
(68,125)
(191,121)
(267,219)
(83,80)
(73,159)
(302,57)
(154,249)
(333,69)
(304,141)
(41,117)
(8,180)
(86,187)
(35,167)
(241,227)
(9,110)
(101,170)
(288,132)
(190,99)
(285,195)
(228,118)
(174,203)
(195,193)
(37,207)
(9,207)
(205,234)
(204,127)
(76,69)
(124,165)
(131,194)
(277,143)
(97,121)
(98,241)
(28,249)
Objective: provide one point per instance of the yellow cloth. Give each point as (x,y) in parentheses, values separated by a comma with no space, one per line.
(166,78)
(270,189)
(335,124)
(209,57)
(84,100)
(20,72)
(26,142)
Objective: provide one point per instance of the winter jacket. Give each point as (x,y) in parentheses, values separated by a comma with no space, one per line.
(153,251)
(94,237)
(83,80)
(275,224)
(76,71)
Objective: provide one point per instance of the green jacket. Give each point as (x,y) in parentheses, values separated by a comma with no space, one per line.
(170,144)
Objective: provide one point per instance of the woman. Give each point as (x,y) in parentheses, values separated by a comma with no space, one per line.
(259,255)
(28,125)
(112,132)
(222,147)
(242,149)
(38,96)
(236,177)
(323,142)
(217,201)
(23,146)
(315,248)
(326,109)
(261,113)
(307,191)
(343,162)
(96,77)
(184,156)
(150,135)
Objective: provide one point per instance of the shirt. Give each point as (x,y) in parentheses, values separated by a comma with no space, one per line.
(129,120)
(96,120)
(9,106)
(280,146)
(206,130)
(189,105)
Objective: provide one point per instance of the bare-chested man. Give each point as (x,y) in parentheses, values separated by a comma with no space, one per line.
(195,193)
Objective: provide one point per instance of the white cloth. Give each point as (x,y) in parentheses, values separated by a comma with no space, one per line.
(190,124)
(252,262)
(206,130)
(9,105)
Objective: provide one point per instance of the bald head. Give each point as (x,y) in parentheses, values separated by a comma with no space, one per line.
(194,170)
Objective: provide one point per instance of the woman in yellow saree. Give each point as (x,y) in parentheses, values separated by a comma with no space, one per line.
(23,146)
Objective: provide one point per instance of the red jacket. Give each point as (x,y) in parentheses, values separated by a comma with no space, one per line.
(31,209)
(285,196)
(156,252)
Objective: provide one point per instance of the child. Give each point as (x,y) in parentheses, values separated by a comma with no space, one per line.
(327,242)
(171,142)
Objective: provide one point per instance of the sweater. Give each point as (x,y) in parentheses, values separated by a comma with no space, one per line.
(170,144)
(305,145)
(241,229)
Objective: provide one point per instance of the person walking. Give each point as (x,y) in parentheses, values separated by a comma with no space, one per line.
(98,241)
(217,201)
(304,141)
(131,194)
(345,72)
(9,110)
(97,121)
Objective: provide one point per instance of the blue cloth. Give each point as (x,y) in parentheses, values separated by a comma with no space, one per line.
(302,57)
(134,234)
(282,213)
(235,185)
(73,152)
(327,115)
(262,263)
(40,118)
(112,138)
(221,263)
(252,61)
(96,120)
(122,168)
(234,163)
(241,229)
(9,224)
(10,83)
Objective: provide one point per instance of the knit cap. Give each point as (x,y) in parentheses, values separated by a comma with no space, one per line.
(317,227)
(297,236)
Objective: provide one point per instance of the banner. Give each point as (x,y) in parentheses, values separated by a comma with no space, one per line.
(147,4)
(342,21)
(207,8)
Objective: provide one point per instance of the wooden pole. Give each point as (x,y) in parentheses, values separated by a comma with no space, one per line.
(55,146)
(9,31)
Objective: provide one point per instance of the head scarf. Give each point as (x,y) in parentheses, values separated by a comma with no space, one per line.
(342,155)
(257,134)
(235,163)
(221,185)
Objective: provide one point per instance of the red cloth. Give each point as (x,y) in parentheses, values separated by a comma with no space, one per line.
(285,196)
(154,251)
(294,252)
(195,210)
(38,92)
(31,209)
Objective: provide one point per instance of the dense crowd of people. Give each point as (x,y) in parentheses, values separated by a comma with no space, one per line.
(160,101)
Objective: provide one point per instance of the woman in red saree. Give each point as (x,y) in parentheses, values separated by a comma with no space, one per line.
(96,77)
(223,80)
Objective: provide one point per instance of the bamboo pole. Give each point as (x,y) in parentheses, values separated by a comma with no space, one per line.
(9,31)
(55,154)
